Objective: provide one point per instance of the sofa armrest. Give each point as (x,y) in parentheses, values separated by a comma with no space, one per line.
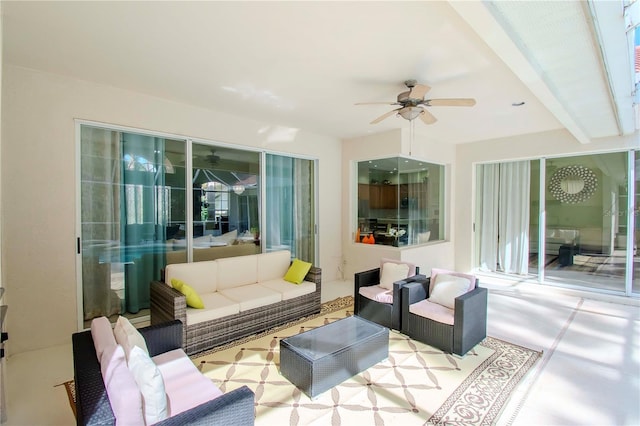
(234,408)
(168,304)
(314,275)
(161,338)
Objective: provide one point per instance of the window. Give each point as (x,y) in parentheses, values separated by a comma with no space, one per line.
(400,202)
(137,206)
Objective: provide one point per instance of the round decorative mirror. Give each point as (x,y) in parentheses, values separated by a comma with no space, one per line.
(573,184)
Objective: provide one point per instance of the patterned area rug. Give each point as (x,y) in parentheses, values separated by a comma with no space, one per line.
(416,385)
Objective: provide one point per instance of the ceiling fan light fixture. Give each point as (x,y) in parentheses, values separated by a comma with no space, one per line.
(410,112)
(238,189)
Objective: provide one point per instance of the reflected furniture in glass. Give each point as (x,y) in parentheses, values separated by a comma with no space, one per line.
(317,360)
(377,303)
(400,200)
(452,318)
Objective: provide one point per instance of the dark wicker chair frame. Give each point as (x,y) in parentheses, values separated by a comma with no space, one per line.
(92,402)
(385,314)
(469,325)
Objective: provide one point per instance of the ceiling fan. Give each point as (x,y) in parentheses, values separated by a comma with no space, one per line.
(412,103)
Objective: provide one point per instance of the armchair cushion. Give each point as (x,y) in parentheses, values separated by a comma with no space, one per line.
(433,311)
(377,293)
(392,271)
(446,288)
(436,271)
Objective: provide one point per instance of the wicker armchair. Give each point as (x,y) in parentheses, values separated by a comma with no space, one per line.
(378,304)
(455,328)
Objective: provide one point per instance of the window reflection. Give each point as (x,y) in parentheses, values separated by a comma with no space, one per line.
(399,202)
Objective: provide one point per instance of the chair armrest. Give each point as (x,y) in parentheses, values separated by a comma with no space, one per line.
(398,285)
(363,279)
(366,279)
(471,307)
(161,338)
(234,408)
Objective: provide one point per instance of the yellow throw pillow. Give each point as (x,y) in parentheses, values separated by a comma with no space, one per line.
(176,283)
(297,271)
(193,299)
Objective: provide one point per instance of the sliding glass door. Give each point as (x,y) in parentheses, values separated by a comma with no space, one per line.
(290,206)
(147,201)
(132,198)
(571,219)
(586,221)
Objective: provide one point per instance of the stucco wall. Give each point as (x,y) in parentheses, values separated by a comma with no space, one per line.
(38,173)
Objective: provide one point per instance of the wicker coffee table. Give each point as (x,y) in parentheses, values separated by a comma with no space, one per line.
(317,360)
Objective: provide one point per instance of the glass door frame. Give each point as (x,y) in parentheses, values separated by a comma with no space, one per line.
(189,141)
(630,223)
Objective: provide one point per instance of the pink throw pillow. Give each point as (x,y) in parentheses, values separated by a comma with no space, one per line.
(122,389)
(102,335)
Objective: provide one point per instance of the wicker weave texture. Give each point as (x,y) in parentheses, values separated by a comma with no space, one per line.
(316,374)
(168,304)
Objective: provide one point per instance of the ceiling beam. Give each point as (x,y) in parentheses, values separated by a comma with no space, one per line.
(480,19)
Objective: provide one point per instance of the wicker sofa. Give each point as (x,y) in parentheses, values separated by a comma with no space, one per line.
(92,401)
(242,295)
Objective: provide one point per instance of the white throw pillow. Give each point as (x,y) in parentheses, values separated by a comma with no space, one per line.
(447,288)
(392,272)
(149,380)
(128,336)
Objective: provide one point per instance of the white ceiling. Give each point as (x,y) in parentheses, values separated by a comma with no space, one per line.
(304,65)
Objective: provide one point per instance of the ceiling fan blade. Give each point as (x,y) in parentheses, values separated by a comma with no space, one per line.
(452,102)
(418,91)
(385,115)
(427,117)
(376,103)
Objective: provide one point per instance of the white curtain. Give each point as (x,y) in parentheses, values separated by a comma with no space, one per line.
(513,223)
(503,195)
(488,196)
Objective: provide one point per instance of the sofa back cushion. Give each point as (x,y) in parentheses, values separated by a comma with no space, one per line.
(237,271)
(122,390)
(102,335)
(200,276)
(274,265)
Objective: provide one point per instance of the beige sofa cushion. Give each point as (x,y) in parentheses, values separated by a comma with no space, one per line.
(252,296)
(201,276)
(237,271)
(273,265)
(215,306)
(289,290)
